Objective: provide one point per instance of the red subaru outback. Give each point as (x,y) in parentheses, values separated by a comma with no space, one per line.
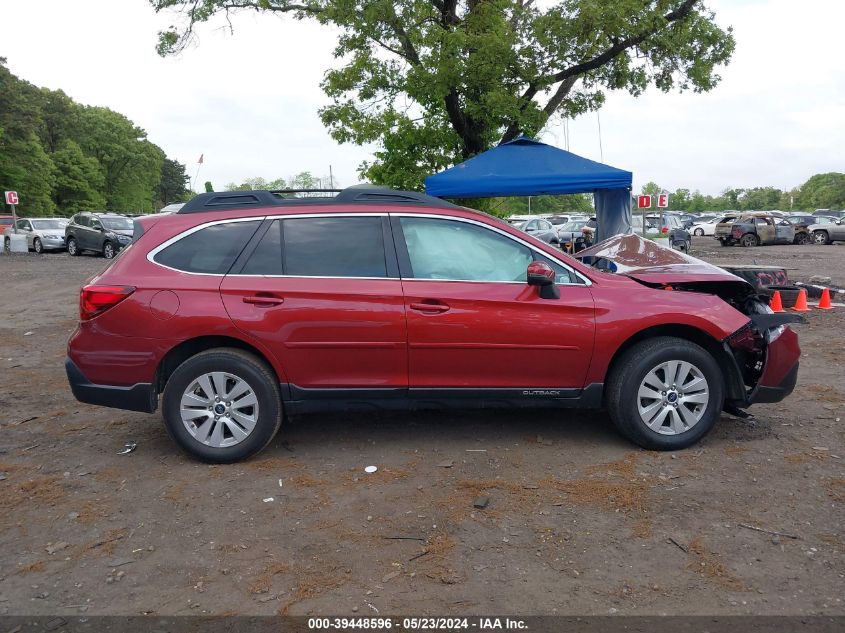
(245,306)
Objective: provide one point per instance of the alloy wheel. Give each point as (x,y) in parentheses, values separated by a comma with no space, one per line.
(219,409)
(673,397)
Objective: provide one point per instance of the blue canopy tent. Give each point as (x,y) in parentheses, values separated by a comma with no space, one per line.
(525,167)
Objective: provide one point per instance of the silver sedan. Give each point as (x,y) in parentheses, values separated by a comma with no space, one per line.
(42,234)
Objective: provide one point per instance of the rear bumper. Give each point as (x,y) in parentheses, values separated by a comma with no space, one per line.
(138,397)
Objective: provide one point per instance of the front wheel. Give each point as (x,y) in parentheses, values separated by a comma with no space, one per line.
(665,393)
(802,238)
(820,237)
(108,250)
(72,247)
(37,246)
(222,405)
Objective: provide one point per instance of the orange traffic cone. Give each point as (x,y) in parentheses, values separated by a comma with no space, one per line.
(824,302)
(801,302)
(775,304)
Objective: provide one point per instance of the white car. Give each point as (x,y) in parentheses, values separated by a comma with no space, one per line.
(42,234)
(700,229)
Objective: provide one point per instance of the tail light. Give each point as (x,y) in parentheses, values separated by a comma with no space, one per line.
(737,232)
(94,300)
(664,230)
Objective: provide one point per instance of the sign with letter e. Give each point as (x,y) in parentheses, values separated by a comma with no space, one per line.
(663,200)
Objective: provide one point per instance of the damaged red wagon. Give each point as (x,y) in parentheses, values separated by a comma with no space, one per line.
(247,306)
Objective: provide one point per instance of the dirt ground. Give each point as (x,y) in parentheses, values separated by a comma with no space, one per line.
(578,521)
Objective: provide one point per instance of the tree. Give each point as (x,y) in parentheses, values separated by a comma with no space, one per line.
(173,183)
(823,191)
(651,189)
(435,82)
(26,167)
(576,202)
(79,180)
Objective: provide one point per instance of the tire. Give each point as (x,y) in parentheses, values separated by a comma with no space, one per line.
(7,244)
(802,239)
(237,365)
(749,239)
(37,246)
(108,250)
(640,362)
(698,232)
(788,294)
(724,242)
(72,247)
(821,237)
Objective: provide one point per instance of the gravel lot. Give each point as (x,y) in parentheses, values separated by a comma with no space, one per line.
(578,521)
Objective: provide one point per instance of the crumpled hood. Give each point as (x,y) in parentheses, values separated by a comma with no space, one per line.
(652,264)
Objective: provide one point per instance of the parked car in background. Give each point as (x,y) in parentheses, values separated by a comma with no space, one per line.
(6,222)
(830,213)
(722,230)
(42,234)
(172,208)
(560,220)
(802,223)
(233,316)
(104,233)
(569,232)
(672,227)
(827,233)
(706,227)
(541,229)
(762,229)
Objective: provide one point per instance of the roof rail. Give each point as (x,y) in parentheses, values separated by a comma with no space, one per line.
(358,194)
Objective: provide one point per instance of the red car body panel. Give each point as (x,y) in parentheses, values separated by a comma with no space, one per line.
(349,333)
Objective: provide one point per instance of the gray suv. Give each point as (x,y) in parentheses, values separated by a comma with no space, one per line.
(104,233)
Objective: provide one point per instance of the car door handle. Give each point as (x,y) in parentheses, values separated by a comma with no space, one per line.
(430,307)
(264,301)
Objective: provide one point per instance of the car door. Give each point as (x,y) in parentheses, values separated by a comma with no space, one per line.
(473,321)
(25,228)
(94,234)
(323,293)
(784,231)
(765,230)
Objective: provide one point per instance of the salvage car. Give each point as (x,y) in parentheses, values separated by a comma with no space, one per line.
(42,234)
(541,229)
(236,311)
(104,233)
(762,229)
(827,233)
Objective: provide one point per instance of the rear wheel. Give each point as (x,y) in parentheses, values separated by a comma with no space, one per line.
(72,247)
(724,242)
(749,239)
(37,245)
(821,237)
(698,232)
(222,405)
(108,250)
(665,393)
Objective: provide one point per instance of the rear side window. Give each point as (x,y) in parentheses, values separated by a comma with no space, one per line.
(266,259)
(81,220)
(334,247)
(211,250)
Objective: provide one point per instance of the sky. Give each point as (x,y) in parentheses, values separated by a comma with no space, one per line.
(248,101)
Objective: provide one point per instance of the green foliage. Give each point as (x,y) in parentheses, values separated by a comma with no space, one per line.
(79,181)
(173,184)
(571,203)
(302,180)
(823,191)
(434,82)
(63,157)
(209,188)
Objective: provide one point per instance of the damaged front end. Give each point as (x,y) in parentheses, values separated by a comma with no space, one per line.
(761,357)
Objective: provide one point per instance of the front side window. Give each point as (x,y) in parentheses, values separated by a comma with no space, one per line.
(210,250)
(47,225)
(449,249)
(334,247)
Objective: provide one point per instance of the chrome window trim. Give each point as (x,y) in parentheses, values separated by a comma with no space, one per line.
(287,216)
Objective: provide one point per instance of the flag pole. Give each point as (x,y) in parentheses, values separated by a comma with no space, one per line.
(196,175)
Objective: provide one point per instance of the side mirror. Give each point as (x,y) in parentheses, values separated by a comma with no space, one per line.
(542,275)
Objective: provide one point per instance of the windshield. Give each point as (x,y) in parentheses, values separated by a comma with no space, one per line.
(574,226)
(118,224)
(48,224)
